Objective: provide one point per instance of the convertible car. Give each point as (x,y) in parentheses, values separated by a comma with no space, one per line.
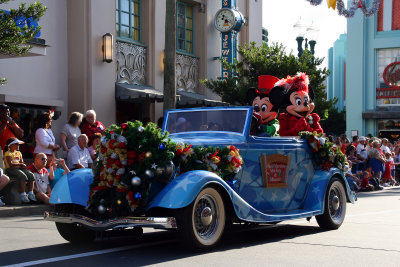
(279,180)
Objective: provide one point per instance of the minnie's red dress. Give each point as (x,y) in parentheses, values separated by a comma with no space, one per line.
(291,125)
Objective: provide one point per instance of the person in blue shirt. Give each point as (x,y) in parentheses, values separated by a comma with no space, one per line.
(58,167)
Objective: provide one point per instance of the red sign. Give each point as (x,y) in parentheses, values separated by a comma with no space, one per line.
(391,74)
(275,170)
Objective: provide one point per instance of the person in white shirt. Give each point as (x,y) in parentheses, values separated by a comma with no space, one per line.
(385,146)
(45,141)
(362,153)
(71,131)
(79,156)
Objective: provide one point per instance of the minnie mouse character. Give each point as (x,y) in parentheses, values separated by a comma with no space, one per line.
(294,95)
(259,100)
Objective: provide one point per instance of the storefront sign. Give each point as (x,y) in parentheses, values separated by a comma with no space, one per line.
(275,170)
(391,74)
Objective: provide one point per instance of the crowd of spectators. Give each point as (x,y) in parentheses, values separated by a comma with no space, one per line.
(374,163)
(35,182)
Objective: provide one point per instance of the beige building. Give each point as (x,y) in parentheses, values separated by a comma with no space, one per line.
(69,74)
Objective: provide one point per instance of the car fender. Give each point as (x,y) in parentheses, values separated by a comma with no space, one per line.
(73,188)
(316,196)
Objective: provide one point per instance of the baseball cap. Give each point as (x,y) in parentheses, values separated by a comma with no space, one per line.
(362,138)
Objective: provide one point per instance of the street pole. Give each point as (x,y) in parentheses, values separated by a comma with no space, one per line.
(312,46)
(299,40)
(170,56)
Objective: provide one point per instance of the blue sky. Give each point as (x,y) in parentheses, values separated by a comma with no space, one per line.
(279,16)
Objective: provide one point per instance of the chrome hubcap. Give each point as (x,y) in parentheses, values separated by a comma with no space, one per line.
(206,216)
(335,203)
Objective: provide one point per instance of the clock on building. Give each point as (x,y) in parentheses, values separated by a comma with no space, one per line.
(228,19)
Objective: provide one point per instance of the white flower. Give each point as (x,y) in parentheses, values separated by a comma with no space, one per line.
(124,162)
(120,171)
(122,139)
(110,170)
(114,155)
(322,141)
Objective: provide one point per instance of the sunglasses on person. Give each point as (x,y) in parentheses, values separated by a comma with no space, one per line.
(45,159)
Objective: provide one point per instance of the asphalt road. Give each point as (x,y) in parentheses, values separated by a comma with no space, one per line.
(370,236)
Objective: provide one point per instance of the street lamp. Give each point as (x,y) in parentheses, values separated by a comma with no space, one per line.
(301,30)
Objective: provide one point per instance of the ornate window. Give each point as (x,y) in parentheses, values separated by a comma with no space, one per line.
(184,28)
(128,20)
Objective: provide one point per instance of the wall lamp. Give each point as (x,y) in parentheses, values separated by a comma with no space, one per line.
(108,47)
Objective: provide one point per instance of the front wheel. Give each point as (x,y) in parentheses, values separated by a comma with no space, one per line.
(201,224)
(72,232)
(335,206)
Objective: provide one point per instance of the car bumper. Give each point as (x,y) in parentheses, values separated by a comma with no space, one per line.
(123,222)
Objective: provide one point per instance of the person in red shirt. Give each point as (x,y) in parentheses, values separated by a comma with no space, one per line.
(91,126)
(8,127)
(365,185)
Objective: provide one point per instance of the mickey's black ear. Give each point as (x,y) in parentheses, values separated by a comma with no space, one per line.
(311,93)
(277,97)
(251,94)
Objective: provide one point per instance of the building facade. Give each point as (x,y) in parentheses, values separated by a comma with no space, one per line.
(372,68)
(70,75)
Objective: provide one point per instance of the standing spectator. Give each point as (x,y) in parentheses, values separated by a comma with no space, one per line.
(71,131)
(42,176)
(385,146)
(8,127)
(362,154)
(355,141)
(387,177)
(16,168)
(45,140)
(95,143)
(377,161)
(91,126)
(3,182)
(79,156)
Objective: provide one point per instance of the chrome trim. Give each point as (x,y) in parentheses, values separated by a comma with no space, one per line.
(123,222)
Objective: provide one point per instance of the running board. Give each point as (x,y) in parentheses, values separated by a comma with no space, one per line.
(123,222)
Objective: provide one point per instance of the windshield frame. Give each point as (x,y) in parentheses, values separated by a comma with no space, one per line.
(245,131)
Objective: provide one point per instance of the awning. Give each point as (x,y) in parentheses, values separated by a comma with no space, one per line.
(188,98)
(132,92)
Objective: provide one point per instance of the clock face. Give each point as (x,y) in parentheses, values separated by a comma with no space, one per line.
(225,20)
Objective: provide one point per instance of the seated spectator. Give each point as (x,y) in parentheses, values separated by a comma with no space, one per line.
(16,169)
(3,182)
(95,143)
(91,125)
(352,179)
(79,156)
(42,176)
(362,154)
(8,127)
(58,167)
(365,186)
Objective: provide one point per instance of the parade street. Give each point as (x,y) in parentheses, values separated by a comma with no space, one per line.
(369,236)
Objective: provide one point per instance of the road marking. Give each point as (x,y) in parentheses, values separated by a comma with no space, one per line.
(372,213)
(86,254)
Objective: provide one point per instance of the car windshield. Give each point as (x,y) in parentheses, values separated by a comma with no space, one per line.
(207,120)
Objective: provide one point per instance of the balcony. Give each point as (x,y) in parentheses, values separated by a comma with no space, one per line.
(187,73)
(131,63)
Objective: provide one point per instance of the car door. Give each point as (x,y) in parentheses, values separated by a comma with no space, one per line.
(276,174)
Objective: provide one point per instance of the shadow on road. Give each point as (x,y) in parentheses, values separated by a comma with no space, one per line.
(236,237)
(389,191)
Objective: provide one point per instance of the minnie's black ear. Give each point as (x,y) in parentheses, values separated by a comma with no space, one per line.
(251,94)
(311,93)
(277,97)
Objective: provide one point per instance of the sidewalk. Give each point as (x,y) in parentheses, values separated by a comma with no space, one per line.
(23,210)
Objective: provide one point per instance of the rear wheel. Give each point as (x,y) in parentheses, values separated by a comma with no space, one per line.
(335,206)
(201,224)
(74,233)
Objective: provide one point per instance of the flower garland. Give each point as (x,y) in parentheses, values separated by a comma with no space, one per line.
(135,162)
(350,11)
(328,155)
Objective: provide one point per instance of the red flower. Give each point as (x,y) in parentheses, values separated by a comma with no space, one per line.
(124,125)
(121,145)
(118,163)
(111,143)
(103,150)
(132,155)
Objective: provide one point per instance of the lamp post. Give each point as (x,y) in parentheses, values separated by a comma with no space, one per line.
(307,34)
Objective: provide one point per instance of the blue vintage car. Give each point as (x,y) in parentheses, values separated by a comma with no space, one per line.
(279,181)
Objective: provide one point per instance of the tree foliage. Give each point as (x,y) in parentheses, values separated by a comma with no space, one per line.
(14,30)
(273,60)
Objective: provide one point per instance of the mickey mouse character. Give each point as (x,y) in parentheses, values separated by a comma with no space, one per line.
(259,100)
(294,95)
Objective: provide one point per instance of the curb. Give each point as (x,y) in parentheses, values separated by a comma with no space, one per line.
(28,210)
